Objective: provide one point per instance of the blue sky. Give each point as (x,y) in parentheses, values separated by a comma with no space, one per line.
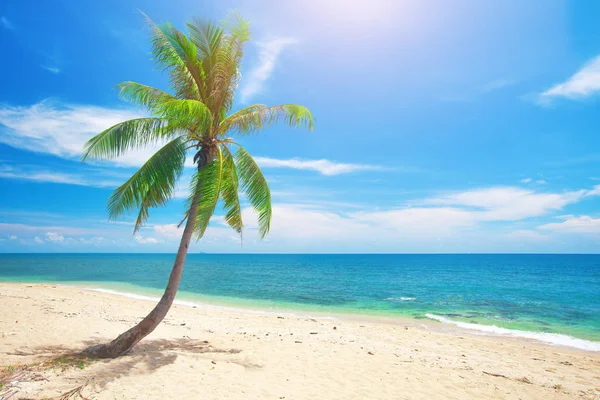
(441,126)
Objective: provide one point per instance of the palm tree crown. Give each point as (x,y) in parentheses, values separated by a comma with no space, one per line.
(203,67)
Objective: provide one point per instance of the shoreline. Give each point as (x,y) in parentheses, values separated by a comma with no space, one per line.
(237,354)
(438,323)
(435,322)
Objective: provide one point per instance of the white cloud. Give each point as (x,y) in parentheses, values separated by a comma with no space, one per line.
(509,203)
(525,180)
(594,192)
(583,83)
(6,23)
(145,240)
(324,167)
(541,181)
(9,172)
(269,52)
(38,240)
(574,224)
(63,129)
(53,70)
(169,230)
(12,237)
(54,237)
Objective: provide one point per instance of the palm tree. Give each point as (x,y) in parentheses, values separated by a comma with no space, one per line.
(203,67)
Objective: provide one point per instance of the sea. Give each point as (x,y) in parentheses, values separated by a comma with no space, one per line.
(546,297)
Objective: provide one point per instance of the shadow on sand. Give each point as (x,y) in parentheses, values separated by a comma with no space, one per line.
(145,358)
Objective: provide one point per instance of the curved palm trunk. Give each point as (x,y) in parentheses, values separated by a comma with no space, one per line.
(125,341)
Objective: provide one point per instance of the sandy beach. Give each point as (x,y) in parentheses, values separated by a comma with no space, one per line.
(213,353)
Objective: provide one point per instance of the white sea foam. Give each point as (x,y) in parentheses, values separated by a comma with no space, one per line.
(550,338)
(207,306)
(401,298)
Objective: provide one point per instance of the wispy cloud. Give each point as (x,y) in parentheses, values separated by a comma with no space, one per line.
(509,203)
(6,23)
(269,52)
(583,83)
(325,167)
(24,229)
(9,172)
(62,129)
(54,70)
(574,224)
(529,180)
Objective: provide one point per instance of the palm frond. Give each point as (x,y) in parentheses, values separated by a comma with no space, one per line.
(189,114)
(229,192)
(152,185)
(226,74)
(238,26)
(256,117)
(173,51)
(207,38)
(144,95)
(128,135)
(206,187)
(256,188)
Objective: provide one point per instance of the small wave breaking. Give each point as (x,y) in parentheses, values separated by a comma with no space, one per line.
(556,339)
(401,298)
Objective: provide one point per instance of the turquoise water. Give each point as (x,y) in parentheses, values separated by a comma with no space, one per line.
(551,294)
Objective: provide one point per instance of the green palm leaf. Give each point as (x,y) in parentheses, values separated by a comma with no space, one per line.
(172,51)
(128,135)
(256,117)
(141,94)
(256,188)
(229,193)
(152,185)
(207,38)
(190,114)
(229,57)
(206,187)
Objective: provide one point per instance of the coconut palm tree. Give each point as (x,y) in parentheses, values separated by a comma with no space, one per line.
(203,67)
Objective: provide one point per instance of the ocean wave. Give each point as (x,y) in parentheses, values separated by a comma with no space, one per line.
(207,306)
(556,339)
(401,298)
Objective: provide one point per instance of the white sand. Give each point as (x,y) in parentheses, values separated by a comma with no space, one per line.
(253,356)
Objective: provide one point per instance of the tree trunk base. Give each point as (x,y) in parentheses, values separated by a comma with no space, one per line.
(99,351)
(121,345)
